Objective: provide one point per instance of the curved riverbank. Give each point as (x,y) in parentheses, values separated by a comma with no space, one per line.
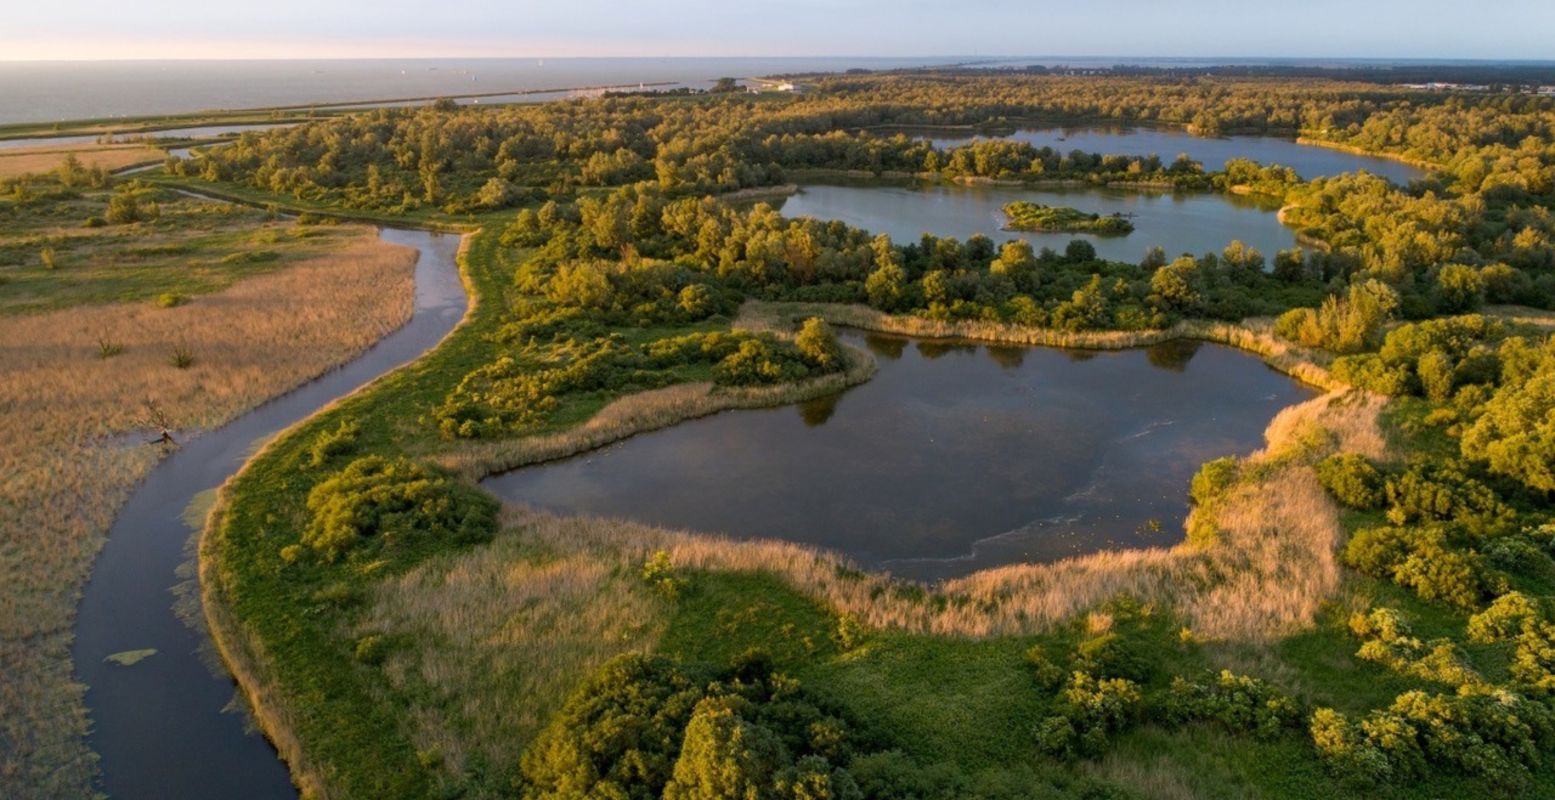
(158,725)
(1362,151)
(1253,336)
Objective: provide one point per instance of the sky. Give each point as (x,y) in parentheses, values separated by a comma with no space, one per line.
(161,29)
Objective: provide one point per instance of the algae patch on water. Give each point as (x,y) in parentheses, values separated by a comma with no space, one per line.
(198,509)
(129,658)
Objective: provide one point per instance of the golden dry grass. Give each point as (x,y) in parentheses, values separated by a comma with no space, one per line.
(1272,565)
(15,162)
(497,671)
(71,449)
(553,597)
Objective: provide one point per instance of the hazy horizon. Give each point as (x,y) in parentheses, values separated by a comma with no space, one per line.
(98,30)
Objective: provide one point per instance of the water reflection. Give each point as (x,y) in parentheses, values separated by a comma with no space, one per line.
(817,412)
(1007,357)
(938,348)
(954,457)
(1174,354)
(885,346)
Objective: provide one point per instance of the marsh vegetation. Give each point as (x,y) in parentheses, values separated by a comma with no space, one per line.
(90,376)
(1360,608)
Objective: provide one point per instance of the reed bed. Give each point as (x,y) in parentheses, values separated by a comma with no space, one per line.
(555,596)
(45,158)
(74,426)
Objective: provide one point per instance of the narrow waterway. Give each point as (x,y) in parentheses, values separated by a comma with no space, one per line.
(162,724)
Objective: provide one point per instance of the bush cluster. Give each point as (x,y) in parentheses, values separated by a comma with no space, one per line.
(1430,559)
(1496,737)
(1352,480)
(1090,709)
(1240,703)
(387,502)
(649,727)
(516,394)
(1386,640)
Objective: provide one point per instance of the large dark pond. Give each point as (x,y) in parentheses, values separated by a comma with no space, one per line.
(1180,222)
(1308,161)
(955,457)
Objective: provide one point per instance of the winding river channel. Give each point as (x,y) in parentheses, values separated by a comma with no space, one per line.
(158,724)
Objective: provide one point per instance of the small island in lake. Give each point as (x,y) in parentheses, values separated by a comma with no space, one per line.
(1024,216)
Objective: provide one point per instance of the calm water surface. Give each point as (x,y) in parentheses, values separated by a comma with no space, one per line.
(1309,162)
(955,457)
(48,91)
(1180,222)
(159,725)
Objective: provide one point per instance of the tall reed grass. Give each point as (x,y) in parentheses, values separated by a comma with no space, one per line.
(73,433)
(15,162)
(553,597)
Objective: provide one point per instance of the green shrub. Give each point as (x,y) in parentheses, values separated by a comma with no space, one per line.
(1114,655)
(171,299)
(1459,288)
(619,733)
(758,362)
(647,727)
(1386,640)
(1515,434)
(372,649)
(1372,373)
(125,207)
(181,357)
(1342,325)
(659,572)
(376,499)
(1240,703)
(1212,480)
(1090,709)
(331,443)
(818,344)
(1047,674)
(1496,738)
(1346,749)
(251,257)
(1418,558)
(1505,618)
(1352,480)
(1533,662)
(1441,491)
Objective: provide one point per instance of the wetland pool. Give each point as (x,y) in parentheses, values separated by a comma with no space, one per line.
(955,457)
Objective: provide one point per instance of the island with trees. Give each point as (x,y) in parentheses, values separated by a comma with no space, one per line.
(1026,216)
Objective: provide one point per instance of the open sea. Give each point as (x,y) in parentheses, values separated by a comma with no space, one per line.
(52,91)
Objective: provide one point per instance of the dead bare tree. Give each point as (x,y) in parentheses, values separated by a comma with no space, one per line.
(154,416)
